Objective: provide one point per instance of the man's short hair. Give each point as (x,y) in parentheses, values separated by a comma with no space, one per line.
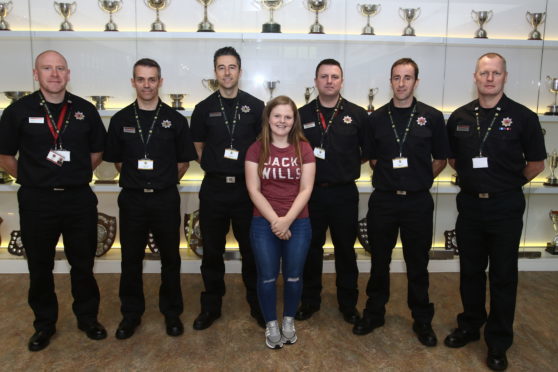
(227,51)
(147,62)
(329,61)
(492,55)
(405,61)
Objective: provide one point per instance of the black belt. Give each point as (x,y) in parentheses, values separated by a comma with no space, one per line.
(402,192)
(333,184)
(57,188)
(226,178)
(146,191)
(489,195)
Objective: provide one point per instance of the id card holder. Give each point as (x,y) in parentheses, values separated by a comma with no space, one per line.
(319,153)
(480,162)
(231,154)
(400,163)
(145,164)
(64,153)
(55,158)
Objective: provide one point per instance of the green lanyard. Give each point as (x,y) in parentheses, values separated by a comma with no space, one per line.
(399,141)
(145,141)
(496,114)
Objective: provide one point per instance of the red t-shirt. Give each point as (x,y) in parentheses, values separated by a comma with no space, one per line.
(280,183)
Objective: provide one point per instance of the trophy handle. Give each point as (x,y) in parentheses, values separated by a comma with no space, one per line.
(204,83)
(543,18)
(375,91)
(527,16)
(490,14)
(56,7)
(474,15)
(379,9)
(419,12)
(9,6)
(402,14)
(73,7)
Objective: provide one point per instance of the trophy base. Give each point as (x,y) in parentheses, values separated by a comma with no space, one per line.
(317,29)
(551,248)
(66,26)
(551,182)
(368,30)
(535,35)
(158,27)
(205,26)
(552,110)
(274,28)
(4,26)
(111,27)
(481,34)
(408,31)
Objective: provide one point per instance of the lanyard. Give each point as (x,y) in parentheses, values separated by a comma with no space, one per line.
(496,114)
(230,127)
(63,120)
(400,141)
(321,118)
(150,132)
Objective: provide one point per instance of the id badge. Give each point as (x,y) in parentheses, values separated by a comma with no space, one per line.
(319,153)
(480,162)
(145,164)
(400,163)
(64,153)
(231,154)
(55,158)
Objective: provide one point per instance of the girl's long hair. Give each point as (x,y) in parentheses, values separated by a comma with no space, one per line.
(296,135)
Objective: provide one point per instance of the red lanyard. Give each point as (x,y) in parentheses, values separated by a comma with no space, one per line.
(55,131)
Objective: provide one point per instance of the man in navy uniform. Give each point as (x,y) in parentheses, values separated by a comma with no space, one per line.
(497,147)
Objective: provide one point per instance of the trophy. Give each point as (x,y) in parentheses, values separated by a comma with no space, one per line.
(551,180)
(205,25)
(5,177)
(409,15)
(316,6)
(100,101)
(15,246)
(16,94)
(65,10)
(535,19)
(271,26)
(106,232)
(481,17)
(371,94)
(192,232)
(157,5)
(271,85)
(308,91)
(369,10)
(553,87)
(105,174)
(177,100)
(4,10)
(110,6)
(552,247)
(210,84)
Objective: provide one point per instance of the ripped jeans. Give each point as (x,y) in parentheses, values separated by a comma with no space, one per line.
(268,251)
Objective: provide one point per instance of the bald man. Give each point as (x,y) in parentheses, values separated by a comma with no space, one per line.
(60,138)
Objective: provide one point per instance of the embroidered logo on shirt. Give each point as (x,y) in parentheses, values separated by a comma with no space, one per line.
(245,109)
(79,115)
(421,120)
(506,122)
(347,119)
(166,123)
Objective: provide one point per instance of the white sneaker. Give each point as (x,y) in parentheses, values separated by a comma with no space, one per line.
(288,331)
(273,338)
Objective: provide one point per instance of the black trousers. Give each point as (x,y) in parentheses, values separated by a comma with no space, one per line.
(411,216)
(489,231)
(220,204)
(46,214)
(158,212)
(336,208)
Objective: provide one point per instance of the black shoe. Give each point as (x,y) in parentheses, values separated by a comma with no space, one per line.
(40,339)
(126,328)
(425,333)
(351,316)
(93,329)
(174,326)
(460,337)
(257,314)
(496,361)
(205,320)
(305,312)
(366,325)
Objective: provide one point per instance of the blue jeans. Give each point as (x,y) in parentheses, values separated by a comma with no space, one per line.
(268,250)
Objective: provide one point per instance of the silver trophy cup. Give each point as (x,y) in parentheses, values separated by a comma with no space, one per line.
(551,180)
(552,247)
(535,19)
(100,101)
(205,25)
(65,10)
(157,6)
(553,87)
(481,17)
(210,84)
(371,94)
(177,100)
(110,6)
(308,91)
(5,9)
(271,85)
(368,10)
(316,6)
(14,95)
(271,26)
(409,15)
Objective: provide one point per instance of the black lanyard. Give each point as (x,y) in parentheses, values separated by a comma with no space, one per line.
(496,114)
(325,126)
(230,126)
(57,127)
(400,141)
(150,132)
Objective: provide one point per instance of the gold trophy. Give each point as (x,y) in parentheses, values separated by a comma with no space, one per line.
(308,91)
(552,247)
(316,6)
(210,84)
(369,10)
(110,6)
(409,15)
(271,26)
(371,94)
(553,87)
(535,20)
(551,180)
(205,25)
(5,176)
(157,6)
(481,17)
(106,232)
(177,100)
(100,101)
(271,85)
(4,10)
(65,10)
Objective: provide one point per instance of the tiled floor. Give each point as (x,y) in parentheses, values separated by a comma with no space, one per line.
(236,343)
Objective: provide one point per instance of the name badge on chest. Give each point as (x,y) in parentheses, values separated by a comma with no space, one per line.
(319,153)
(309,125)
(231,154)
(36,120)
(145,164)
(64,153)
(480,162)
(55,158)
(400,163)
